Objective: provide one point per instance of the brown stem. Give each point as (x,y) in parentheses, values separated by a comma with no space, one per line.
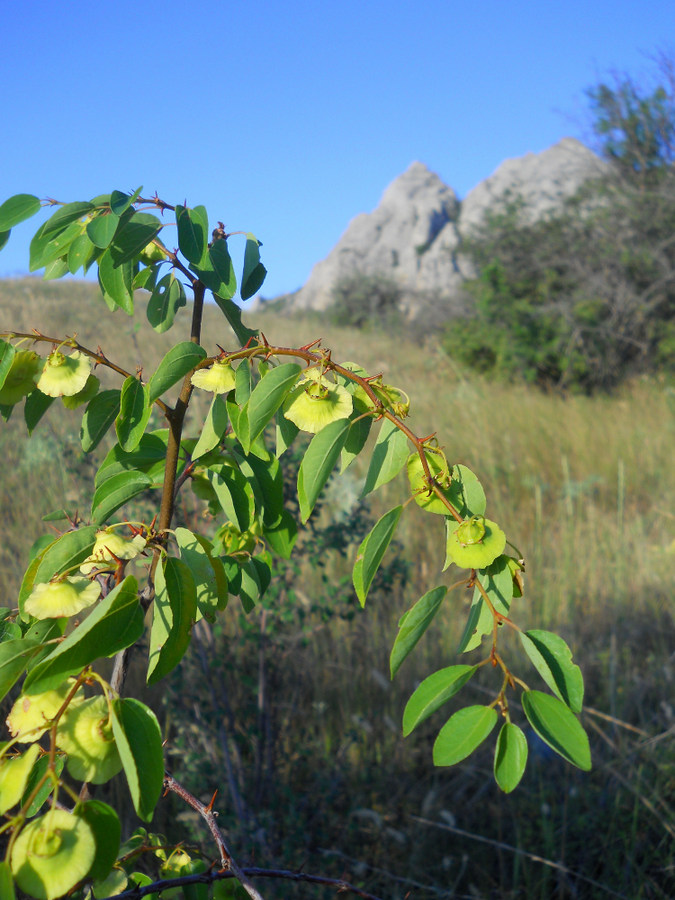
(342,887)
(207,813)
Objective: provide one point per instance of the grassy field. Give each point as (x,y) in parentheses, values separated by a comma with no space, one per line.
(299,724)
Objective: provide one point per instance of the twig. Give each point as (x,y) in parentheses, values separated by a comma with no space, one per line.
(207,813)
(156,887)
(502,846)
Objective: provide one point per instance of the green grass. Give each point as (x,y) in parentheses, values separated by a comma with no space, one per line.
(583,485)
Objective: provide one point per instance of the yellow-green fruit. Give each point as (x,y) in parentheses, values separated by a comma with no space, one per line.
(64,376)
(314,404)
(30,716)
(14,772)
(21,377)
(85,734)
(52,853)
(475,543)
(440,472)
(89,391)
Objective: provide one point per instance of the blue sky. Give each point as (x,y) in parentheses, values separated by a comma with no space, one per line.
(289,118)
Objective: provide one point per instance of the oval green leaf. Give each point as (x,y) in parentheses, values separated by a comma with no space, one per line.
(66,553)
(413,624)
(139,742)
(552,658)
(102,228)
(389,456)
(17,209)
(510,757)
(180,360)
(266,398)
(372,549)
(558,727)
(99,415)
(432,693)
(193,230)
(462,733)
(318,464)
(116,491)
(167,297)
(107,830)
(174,614)
(254,271)
(134,413)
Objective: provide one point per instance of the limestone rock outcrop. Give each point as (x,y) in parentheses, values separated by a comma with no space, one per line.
(413,236)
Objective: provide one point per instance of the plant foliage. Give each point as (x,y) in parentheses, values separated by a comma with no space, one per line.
(79,603)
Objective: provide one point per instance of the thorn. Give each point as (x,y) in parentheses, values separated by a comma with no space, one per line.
(311,344)
(209,808)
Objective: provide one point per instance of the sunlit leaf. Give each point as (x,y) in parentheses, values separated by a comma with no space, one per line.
(388,458)
(267,397)
(116,491)
(101,229)
(168,296)
(174,614)
(120,202)
(463,733)
(282,536)
(318,464)
(414,624)
(180,360)
(193,232)
(552,658)
(134,234)
(17,209)
(213,428)
(432,693)
(510,757)
(134,413)
(101,412)
(139,741)
(372,550)
(254,271)
(116,282)
(558,727)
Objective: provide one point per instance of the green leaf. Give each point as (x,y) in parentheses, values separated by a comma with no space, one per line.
(81,254)
(193,232)
(462,734)
(134,413)
(510,757)
(133,235)
(372,549)
(101,412)
(207,572)
(66,215)
(6,882)
(116,491)
(14,658)
(149,457)
(356,438)
(195,891)
(37,772)
(66,553)
(254,271)
(234,494)
(232,313)
(120,202)
(180,360)
(174,613)
(497,580)
(414,624)
(286,433)
(167,297)
(7,353)
(318,463)
(552,658)
(222,266)
(114,623)
(35,407)
(107,830)
(389,456)
(116,282)
(267,482)
(102,228)
(213,429)
(139,741)
(558,727)
(283,535)
(4,237)
(466,493)
(432,693)
(17,209)
(266,398)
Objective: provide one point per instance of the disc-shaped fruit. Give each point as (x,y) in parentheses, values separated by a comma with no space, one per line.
(63,376)
(14,774)
(30,716)
(52,853)
(85,734)
(62,598)
(419,486)
(475,543)
(21,377)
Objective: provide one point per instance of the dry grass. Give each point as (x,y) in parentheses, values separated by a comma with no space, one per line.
(585,488)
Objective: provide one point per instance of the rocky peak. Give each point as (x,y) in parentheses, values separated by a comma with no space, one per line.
(413,235)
